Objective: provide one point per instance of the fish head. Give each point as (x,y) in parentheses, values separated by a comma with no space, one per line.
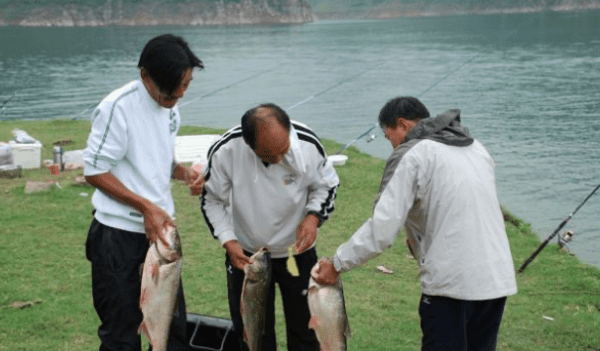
(313,285)
(172,252)
(260,268)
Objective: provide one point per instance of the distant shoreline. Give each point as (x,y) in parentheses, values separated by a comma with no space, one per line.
(406,10)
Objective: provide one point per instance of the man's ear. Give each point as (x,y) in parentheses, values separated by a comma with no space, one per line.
(402,123)
(406,124)
(144,74)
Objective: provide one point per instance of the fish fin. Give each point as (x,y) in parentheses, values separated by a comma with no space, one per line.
(245,335)
(143,328)
(143,298)
(154,272)
(313,323)
(348,331)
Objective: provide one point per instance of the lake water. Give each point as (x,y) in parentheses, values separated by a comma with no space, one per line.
(528,86)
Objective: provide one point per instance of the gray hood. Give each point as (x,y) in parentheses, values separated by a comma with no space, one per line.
(444,128)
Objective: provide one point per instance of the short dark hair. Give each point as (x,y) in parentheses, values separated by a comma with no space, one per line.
(251,118)
(406,107)
(166,57)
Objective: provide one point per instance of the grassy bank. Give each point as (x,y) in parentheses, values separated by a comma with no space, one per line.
(44,269)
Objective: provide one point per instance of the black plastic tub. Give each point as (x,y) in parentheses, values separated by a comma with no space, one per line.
(211,333)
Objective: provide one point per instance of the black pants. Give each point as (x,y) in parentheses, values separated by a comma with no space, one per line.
(116,257)
(459,325)
(295,306)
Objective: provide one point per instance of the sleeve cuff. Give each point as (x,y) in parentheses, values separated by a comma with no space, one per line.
(337,263)
(226,236)
(96,167)
(92,171)
(318,215)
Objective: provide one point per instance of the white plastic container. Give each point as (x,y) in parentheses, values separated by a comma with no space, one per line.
(194,148)
(338,160)
(28,156)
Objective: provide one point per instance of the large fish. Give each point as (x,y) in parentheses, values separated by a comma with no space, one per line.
(161,275)
(328,314)
(253,303)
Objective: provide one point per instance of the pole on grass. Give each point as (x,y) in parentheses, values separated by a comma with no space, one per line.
(545,243)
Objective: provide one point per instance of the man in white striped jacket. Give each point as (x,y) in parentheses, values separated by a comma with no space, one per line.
(130,159)
(269,184)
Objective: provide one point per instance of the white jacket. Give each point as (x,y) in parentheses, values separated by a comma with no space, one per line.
(134,138)
(262,204)
(440,185)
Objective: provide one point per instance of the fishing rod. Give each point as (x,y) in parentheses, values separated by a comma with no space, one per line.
(347,145)
(545,243)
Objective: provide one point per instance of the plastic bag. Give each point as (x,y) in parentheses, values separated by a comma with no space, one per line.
(22,137)
(6,157)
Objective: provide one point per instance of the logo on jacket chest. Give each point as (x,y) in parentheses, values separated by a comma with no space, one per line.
(173,124)
(289,179)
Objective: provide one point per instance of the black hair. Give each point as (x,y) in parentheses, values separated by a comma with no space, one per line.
(251,118)
(166,57)
(406,107)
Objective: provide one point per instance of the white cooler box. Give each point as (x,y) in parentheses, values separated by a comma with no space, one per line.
(27,156)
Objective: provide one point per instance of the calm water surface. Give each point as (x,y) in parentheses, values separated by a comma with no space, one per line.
(528,86)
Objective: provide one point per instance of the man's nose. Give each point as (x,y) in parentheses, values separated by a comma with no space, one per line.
(179,93)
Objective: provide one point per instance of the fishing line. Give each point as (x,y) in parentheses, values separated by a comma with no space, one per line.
(196,99)
(509,35)
(333,87)
(419,95)
(6,102)
(86,109)
(232,84)
(227,86)
(545,243)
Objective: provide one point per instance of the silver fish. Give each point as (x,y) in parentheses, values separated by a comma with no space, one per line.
(161,275)
(253,303)
(328,314)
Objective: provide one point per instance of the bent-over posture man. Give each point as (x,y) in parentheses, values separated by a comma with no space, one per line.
(439,184)
(269,184)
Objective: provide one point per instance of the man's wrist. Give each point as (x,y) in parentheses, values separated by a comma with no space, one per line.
(336,263)
(320,218)
(181,172)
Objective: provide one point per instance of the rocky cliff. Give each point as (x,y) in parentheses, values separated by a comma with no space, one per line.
(148,13)
(384,9)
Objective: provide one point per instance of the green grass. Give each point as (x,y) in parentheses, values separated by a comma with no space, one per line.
(42,261)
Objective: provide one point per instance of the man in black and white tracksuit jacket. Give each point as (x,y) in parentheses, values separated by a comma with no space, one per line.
(269,184)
